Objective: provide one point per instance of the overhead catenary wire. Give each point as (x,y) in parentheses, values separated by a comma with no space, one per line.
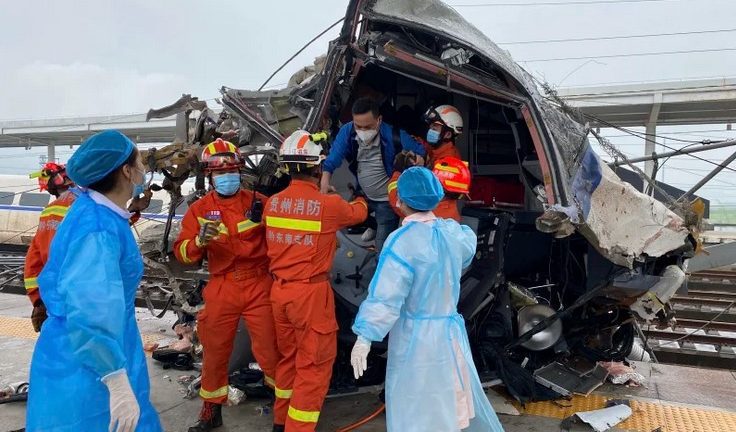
(646,138)
(619,37)
(559,3)
(642,54)
(299,52)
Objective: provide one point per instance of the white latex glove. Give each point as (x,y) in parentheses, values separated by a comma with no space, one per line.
(359,356)
(124,409)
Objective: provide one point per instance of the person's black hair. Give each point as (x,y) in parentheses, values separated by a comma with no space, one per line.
(109,182)
(365,105)
(302,171)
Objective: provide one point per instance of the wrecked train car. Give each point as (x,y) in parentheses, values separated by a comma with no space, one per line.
(568,256)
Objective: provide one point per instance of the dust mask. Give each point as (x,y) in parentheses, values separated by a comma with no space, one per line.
(366,136)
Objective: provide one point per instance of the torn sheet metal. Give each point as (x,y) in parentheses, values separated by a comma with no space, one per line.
(621,222)
(648,305)
(604,419)
(434,14)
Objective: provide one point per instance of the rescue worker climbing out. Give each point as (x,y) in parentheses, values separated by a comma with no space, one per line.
(370,145)
(225,227)
(445,125)
(54,179)
(301,226)
(88,371)
(431,381)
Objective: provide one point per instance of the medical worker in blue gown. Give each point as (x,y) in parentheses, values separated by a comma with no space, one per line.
(431,381)
(88,372)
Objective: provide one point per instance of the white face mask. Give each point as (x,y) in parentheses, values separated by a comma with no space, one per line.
(366,136)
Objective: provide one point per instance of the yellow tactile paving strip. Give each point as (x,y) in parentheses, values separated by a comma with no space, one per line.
(646,417)
(23,329)
(17,327)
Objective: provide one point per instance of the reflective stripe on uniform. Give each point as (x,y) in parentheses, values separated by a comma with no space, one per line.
(447,168)
(360,202)
(221,228)
(269,381)
(59,211)
(222,391)
(393,185)
(456,184)
(283,394)
(183,251)
(30,283)
(247,225)
(295,224)
(303,416)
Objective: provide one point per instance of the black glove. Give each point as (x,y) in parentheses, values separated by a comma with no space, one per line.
(38,316)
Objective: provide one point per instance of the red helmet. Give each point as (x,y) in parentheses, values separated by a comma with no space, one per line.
(453,173)
(221,155)
(52,177)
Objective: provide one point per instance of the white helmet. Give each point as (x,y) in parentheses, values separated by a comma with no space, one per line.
(300,147)
(448,115)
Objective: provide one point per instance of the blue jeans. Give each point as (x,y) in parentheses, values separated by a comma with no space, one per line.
(386,220)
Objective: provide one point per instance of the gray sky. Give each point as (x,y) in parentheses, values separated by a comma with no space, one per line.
(93,57)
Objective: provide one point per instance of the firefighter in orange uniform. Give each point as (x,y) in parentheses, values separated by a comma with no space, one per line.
(52,178)
(445,124)
(225,226)
(301,225)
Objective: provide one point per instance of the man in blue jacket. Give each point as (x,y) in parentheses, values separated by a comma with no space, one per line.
(370,146)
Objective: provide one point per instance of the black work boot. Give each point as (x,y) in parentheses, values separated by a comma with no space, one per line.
(279,428)
(209,418)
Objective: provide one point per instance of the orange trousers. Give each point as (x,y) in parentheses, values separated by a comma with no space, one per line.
(306,332)
(226,300)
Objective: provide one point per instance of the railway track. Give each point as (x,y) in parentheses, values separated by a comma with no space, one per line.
(705,330)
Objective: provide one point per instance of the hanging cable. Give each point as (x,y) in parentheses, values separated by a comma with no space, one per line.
(602,38)
(299,52)
(644,54)
(560,3)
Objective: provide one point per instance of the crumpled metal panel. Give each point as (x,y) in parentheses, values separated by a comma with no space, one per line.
(621,222)
(434,14)
(569,135)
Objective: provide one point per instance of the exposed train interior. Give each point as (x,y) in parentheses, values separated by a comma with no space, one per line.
(520,275)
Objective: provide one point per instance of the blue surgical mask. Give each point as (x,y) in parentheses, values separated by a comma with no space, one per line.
(227,184)
(138,188)
(433,137)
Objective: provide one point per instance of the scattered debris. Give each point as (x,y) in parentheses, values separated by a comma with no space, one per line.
(150,346)
(501,405)
(235,396)
(600,420)
(263,410)
(620,373)
(185,379)
(16,392)
(193,388)
(567,381)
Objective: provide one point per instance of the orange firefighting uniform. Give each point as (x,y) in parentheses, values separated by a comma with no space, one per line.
(301,226)
(447,208)
(239,285)
(38,251)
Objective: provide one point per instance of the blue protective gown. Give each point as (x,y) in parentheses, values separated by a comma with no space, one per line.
(88,286)
(413,297)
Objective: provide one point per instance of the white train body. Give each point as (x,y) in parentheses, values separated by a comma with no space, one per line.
(21,203)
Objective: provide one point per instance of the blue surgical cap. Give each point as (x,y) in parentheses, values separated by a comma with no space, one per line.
(420,189)
(98,156)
